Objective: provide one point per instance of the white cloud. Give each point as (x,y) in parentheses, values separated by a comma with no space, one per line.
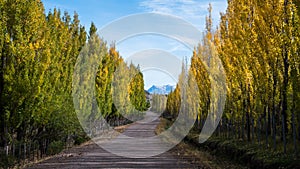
(194,11)
(187,8)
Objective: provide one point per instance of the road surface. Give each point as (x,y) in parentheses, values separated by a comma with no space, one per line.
(90,155)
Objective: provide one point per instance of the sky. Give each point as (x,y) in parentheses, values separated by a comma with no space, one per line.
(132,49)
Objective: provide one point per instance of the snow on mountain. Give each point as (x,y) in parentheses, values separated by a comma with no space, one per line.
(166,89)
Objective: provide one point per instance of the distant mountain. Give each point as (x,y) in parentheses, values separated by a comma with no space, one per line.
(146,92)
(166,89)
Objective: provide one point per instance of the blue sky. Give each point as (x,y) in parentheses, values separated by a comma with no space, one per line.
(103,12)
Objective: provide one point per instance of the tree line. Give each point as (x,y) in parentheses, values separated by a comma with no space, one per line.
(38,53)
(258,44)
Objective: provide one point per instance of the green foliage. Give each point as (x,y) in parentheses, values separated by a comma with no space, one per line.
(136,91)
(173,103)
(55,147)
(38,53)
(128,91)
(159,103)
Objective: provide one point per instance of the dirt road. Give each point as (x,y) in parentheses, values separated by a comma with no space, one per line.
(90,155)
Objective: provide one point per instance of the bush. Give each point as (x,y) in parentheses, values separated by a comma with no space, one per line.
(55,147)
(6,161)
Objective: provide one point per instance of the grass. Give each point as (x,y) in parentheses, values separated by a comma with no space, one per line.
(253,155)
(249,154)
(199,158)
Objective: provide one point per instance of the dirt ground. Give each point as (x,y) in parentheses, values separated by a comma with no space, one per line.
(91,155)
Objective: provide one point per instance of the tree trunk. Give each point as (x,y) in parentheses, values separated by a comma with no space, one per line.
(259,129)
(266,126)
(283,134)
(3,129)
(285,78)
(243,127)
(294,132)
(299,129)
(269,120)
(243,119)
(248,126)
(275,81)
(252,123)
(274,130)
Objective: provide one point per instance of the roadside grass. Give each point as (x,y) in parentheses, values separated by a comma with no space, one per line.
(237,151)
(253,155)
(199,158)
